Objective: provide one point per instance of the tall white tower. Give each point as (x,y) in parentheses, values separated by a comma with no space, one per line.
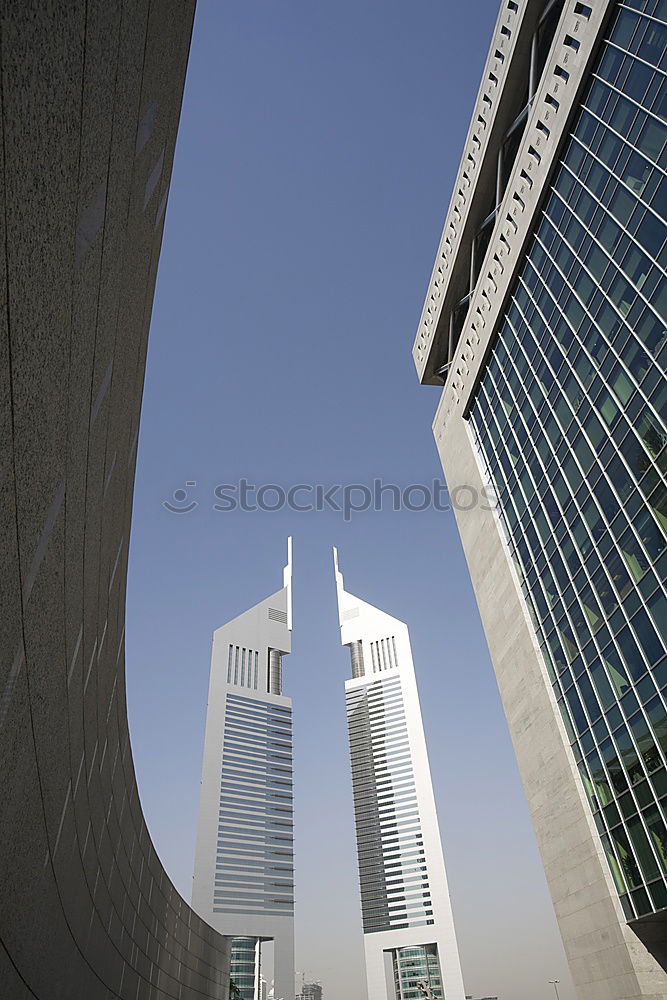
(244,863)
(409,937)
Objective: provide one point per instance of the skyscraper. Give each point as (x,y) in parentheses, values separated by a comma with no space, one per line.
(244,868)
(545,322)
(407,919)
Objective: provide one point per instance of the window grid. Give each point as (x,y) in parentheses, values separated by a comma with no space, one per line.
(567,425)
(415,964)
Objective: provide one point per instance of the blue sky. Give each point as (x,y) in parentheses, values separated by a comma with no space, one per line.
(316,155)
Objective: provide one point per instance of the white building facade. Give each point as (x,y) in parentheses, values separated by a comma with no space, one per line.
(409,938)
(244,865)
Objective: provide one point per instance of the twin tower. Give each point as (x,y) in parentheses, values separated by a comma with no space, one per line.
(244,865)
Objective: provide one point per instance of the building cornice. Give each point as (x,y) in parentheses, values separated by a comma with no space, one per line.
(549,114)
(501,52)
(556,100)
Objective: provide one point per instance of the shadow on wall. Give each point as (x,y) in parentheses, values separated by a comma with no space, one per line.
(90,103)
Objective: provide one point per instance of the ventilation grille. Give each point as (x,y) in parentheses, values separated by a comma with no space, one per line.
(357,657)
(383,654)
(352,613)
(278,616)
(275,671)
(243,667)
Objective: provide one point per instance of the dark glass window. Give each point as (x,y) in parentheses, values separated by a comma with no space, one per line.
(582,481)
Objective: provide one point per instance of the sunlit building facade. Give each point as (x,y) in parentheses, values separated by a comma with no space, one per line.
(244,864)
(553,418)
(245,969)
(409,937)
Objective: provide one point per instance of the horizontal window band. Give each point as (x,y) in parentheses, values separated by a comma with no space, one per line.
(256,754)
(391,839)
(252,882)
(240,852)
(256,820)
(256,746)
(242,764)
(255,714)
(260,901)
(249,728)
(256,807)
(240,866)
(256,724)
(268,829)
(374,723)
(395,869)
(250,898)
(276,898)
(264,773)
(256,719)
(244,716)
(250,913)
(253,725)
(237,793)
(231,779)
(256,825)
(240,891)
(412,897)
(271,706)
(262,739)
(232,837)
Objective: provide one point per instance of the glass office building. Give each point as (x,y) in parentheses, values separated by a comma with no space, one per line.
(569,421)
(555,405)
(245,970)
(416,970)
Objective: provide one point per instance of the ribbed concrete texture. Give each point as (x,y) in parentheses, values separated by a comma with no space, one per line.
(91,95)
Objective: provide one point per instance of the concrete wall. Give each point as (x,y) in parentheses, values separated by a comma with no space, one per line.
(607,960)
(91,94)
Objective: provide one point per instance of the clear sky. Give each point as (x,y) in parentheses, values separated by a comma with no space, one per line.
(317,150)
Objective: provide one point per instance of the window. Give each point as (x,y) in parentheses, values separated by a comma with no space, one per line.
(572,440)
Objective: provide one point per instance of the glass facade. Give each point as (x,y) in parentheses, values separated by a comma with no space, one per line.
(569,426)
(414,965)
(243,971)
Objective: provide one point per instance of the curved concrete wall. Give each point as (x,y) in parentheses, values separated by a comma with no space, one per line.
(91,94)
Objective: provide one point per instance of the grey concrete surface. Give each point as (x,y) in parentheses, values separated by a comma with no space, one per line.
(91,95)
